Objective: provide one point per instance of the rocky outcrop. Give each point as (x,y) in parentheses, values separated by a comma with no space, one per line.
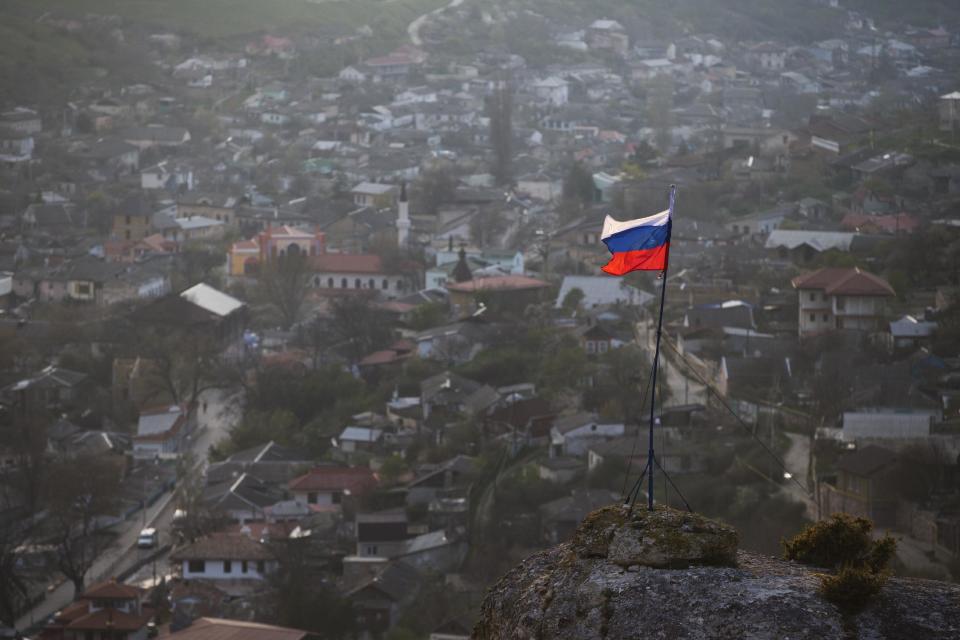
(619,579)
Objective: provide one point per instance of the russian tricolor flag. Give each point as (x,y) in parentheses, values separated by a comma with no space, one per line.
(638,245)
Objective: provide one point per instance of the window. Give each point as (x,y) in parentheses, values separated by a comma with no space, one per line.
(316,281)
(601,347)
(83,289)
(813,297)
(343,283)
(337,497)
(813,317)
(386,284)
(330,282)
(312,497)
(591,347)
(261,566)
(841,303)
(227,566)
(371,549)
(356,283)
(372,284)
(243,566)
(826,318)
(196,566)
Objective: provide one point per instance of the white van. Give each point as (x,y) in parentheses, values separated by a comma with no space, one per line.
(147,539)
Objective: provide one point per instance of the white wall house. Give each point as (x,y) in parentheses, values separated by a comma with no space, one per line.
(572,436)
(225,557)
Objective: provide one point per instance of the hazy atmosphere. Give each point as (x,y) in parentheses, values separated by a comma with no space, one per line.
(449,319)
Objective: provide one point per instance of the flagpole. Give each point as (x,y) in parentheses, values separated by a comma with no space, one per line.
(651,461)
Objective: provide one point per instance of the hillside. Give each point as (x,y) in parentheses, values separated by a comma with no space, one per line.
(224,18)
(42,62)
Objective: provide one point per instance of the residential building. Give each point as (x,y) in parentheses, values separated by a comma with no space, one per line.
(229,559)
(499,293)
(608,35)
(162,430)
(841,298)
(573,435)
(374,194)
(105,611)
(379,600)
(949,107)
(767,56)
(333,272)
(214,206)
(864,486)
(599,291)
(328,487)
(156,135)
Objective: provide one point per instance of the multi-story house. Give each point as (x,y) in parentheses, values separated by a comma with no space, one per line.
(841,298)
(950,112)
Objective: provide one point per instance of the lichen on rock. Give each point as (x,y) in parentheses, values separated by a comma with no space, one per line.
(661,538)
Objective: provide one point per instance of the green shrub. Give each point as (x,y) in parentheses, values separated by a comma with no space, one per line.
(841,540)
(852,588)
(844,544)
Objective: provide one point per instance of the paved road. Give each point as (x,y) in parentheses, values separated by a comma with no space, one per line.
(223,409)
(413,30)
(683,388)
(797,461)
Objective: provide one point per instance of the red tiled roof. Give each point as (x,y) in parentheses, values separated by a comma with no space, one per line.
(899,223)
(387,356)
(245,245)
(498,283)
(347,263)
(217,629)
(286,230)
(112,590)
(844,282)
(355,479)
(111,619)
(397,351)
(223,546)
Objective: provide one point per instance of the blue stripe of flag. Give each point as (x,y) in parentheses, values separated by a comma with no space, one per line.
(639,238)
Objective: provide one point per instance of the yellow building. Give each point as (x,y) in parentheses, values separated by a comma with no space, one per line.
(246,256)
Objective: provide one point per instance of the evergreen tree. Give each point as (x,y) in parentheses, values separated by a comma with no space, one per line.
(500,112)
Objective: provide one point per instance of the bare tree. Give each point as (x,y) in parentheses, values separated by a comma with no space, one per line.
(83,498)
(17,526)
(358,325)
(180,365)
(195,518)
(284,282)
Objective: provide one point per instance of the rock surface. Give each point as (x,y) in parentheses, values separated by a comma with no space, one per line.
(662,538)
(576,591)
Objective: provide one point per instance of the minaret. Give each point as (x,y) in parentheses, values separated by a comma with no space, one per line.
(403,218)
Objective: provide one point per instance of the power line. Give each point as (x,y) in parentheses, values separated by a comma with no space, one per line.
(739,420)
(636,438)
